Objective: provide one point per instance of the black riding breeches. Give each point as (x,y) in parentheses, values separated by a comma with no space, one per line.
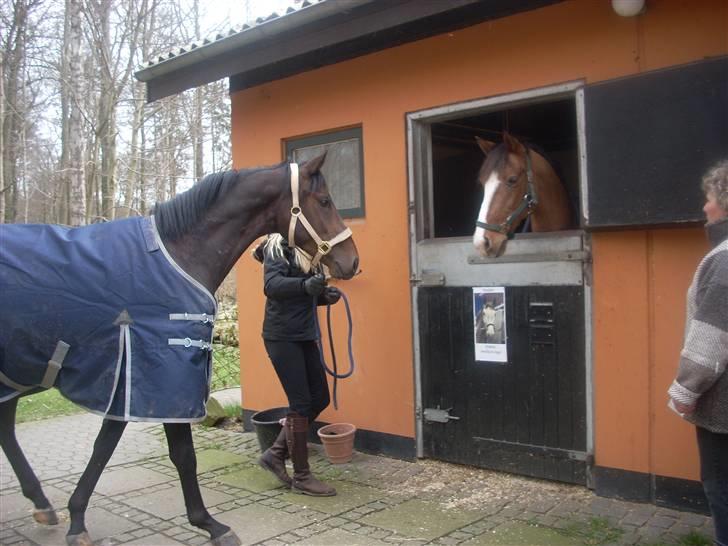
(298,365)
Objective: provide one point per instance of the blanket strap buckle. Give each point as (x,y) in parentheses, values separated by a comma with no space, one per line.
(187,342)
(201,317)
(50,375)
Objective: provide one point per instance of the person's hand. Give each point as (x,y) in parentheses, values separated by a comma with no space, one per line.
(331,295)
(683,408)
(314,286)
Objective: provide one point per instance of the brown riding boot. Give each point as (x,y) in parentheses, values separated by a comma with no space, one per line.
(274,459)
(303,480)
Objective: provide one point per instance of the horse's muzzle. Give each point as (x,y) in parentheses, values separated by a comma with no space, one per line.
(491,245)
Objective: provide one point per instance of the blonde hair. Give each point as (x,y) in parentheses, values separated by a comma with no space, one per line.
(272,246)
(715,182)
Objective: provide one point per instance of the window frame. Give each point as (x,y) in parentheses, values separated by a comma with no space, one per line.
(332,137)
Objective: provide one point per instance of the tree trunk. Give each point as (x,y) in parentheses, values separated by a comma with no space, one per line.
(2,141)
(14,58)
(74,155)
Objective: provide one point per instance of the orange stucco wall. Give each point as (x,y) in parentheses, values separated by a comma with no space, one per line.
(640,277)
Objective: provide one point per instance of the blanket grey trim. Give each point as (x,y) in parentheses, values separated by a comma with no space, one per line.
(202,317)
(176,266)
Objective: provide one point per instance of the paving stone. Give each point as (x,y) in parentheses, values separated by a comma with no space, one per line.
(123,480)
(138,500)
(255,523)
(541,506)
(693,520)
(155,539)
(663,522)
(608,508)
(349,496)
(339,537)
(522,534)
(16,506)
(421,519)
(99,522)
(634,518)
(213,459)
(169,502)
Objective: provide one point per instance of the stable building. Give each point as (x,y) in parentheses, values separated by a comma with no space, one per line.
(633,110)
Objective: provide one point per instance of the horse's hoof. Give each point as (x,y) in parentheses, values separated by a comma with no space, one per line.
(81,539)
(228,539)
(45,516)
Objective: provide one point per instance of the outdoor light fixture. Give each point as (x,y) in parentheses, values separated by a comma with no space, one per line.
(628,8)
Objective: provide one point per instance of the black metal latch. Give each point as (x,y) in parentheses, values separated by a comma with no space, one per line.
(437,415)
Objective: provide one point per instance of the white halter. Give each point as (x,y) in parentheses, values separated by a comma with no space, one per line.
(323,247)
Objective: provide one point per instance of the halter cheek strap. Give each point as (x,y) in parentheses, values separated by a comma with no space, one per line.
(322,247)
(528,203)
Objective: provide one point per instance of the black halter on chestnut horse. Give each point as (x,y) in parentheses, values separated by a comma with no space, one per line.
(98,329)
(518,183)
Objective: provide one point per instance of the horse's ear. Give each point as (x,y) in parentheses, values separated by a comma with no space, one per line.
(313,166)
(512,143)
(485,145)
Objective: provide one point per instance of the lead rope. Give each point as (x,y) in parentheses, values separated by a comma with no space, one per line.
(335,372)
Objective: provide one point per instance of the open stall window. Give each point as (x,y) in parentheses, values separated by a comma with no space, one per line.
(343,168)
(550,126)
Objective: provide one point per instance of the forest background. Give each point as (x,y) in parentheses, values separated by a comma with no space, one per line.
(79,143)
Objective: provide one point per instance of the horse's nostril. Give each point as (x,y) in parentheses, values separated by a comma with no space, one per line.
(355,265)
(487,242)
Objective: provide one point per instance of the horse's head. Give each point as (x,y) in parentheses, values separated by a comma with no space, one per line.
(314,225)
(508,196)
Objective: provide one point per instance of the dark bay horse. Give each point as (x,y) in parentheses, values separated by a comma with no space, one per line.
(190,244)
(517,183)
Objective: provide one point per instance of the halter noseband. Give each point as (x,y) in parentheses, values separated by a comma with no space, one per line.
(528,203)
(322,247)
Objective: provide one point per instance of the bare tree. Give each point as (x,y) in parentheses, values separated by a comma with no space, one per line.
(78,142)
(73,167)
(2,141)
(13,61)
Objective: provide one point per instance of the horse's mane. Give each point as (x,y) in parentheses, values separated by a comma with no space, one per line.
(497,156)
(177,216)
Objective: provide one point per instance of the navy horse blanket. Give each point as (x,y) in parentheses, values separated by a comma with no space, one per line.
(104,314)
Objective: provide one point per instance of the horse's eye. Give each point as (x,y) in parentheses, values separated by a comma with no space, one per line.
(512,180)
(325,202)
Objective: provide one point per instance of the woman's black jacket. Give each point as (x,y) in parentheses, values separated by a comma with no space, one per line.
(288,309)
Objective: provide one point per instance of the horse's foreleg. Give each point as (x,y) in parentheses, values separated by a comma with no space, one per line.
(104,446)
(182,455)
(29,484)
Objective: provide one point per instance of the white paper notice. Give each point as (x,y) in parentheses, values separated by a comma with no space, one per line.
(489,324)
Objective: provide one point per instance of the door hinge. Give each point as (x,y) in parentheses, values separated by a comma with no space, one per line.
(428,278)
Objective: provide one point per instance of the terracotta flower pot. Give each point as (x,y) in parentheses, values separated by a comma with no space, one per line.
(338,441)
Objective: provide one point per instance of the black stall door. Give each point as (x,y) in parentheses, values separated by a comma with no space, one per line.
(526,416)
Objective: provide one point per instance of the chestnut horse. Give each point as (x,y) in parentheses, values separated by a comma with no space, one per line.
(518,183)
(196,238)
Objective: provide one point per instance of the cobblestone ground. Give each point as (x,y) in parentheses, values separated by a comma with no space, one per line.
(381,501)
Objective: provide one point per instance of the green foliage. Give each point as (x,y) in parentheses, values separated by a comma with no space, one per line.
(225,367)
(43,405)
(693,538)
(232,411)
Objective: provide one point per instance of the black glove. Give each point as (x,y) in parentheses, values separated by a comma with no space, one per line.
(314,286)
(331,295)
